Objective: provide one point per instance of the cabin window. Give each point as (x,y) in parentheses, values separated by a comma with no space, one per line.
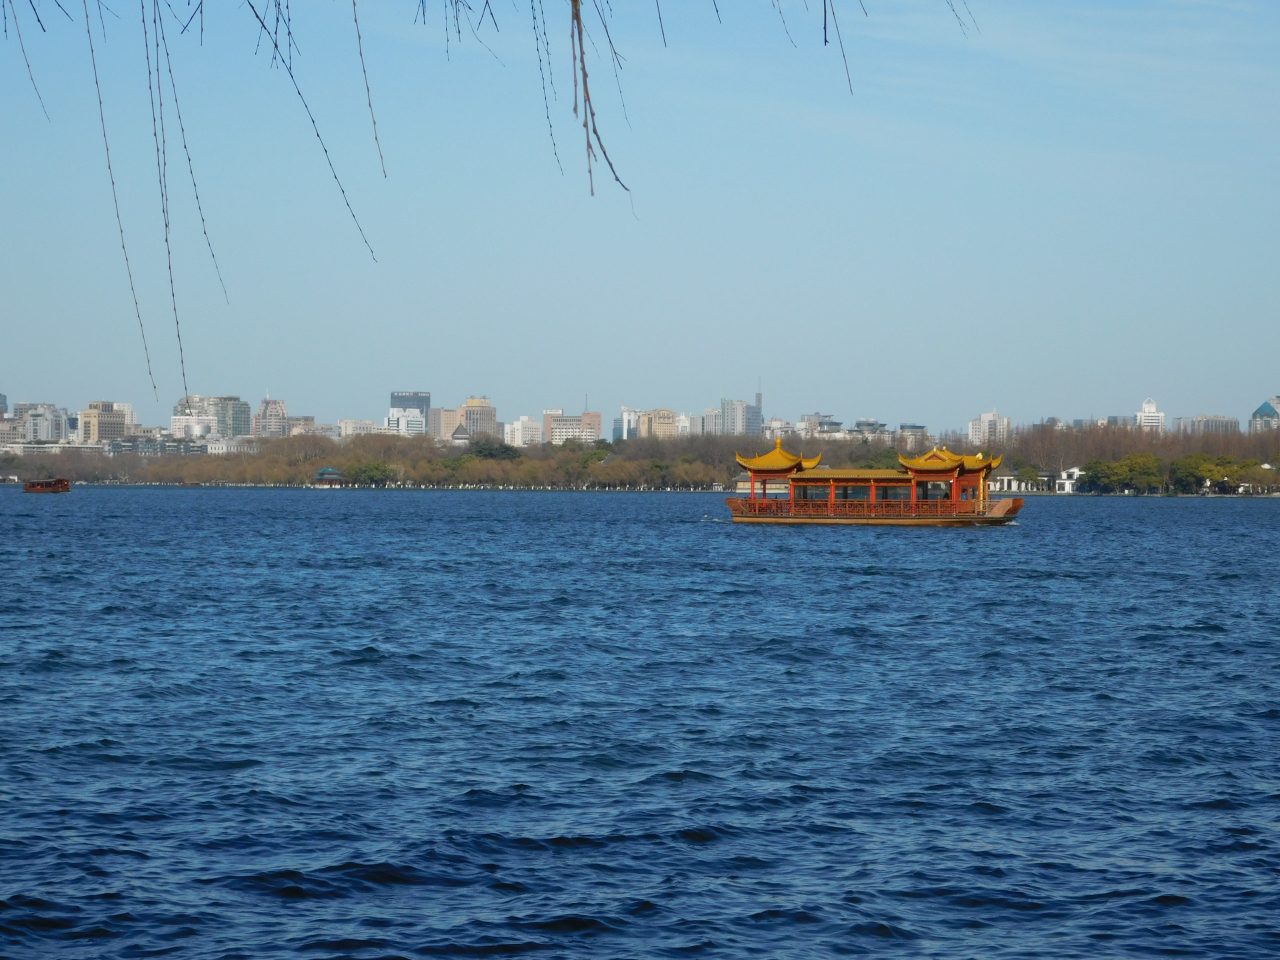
(854,492)
(933,490)
(896,492)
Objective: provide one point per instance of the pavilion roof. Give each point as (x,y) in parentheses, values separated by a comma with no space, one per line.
(777,460)
(942,459)
(838,474)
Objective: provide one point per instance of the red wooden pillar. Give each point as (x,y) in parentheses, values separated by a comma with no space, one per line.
(955,492)
(831,498)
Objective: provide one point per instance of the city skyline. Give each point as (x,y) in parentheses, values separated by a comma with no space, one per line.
(411,412)
(1048,215)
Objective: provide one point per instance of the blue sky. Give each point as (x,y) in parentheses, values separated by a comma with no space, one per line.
(1065,210)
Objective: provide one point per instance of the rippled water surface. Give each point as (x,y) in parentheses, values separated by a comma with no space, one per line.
(268,723)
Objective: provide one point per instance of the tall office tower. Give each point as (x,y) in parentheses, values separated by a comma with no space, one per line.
(419,400)
(740,417)
(480,418)
(272,419)
(1149,418)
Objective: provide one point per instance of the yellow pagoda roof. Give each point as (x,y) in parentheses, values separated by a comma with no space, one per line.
(777,460)
(940,458)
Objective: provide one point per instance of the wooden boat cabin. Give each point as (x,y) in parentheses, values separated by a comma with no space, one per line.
(938,488)
(52,485)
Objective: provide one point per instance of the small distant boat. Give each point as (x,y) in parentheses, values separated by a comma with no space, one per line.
(937,489)
(52,485)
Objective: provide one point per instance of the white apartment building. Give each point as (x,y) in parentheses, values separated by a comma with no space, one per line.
(990,428)
(44,423)
(406,421)
(523,432)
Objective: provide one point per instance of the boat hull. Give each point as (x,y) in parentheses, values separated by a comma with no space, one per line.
(874,515)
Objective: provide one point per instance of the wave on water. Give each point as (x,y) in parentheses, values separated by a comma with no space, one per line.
(491,724)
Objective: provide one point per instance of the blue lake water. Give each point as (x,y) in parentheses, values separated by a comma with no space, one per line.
(274,723)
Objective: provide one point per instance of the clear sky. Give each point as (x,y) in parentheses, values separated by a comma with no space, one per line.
(1057,212)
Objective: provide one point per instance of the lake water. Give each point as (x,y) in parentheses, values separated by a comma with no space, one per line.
(292,723)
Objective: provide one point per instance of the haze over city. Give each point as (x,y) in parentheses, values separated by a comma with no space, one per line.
(1053,210)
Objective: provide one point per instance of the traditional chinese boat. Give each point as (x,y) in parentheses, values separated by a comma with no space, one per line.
(938,488)
(52,485)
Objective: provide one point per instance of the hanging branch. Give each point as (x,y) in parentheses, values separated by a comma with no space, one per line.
(151,46)
(115,198)
(288,69)
(17,28)
(591,130)
(355,15)
(186,149)
(540,42)
(835,22)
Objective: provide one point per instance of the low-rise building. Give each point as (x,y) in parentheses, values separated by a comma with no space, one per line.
(1068,480)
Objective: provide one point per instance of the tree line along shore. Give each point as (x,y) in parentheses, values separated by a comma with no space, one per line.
(1115,459)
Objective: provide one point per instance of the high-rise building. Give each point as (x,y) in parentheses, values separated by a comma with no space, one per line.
(1208,424)
(990,428)
(406,421)
(102,422)
(4,406)
(480,418)
(442,421)
(1149,418)
(419,400)
(194,426)
(557,426)
(523,432)
(708,423)
(231,415)
(44,423)
(659,424)
(740,418)
(624,425)
(271,420)
(1266,417)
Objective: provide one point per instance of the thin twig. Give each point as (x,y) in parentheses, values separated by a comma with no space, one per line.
(534,7)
